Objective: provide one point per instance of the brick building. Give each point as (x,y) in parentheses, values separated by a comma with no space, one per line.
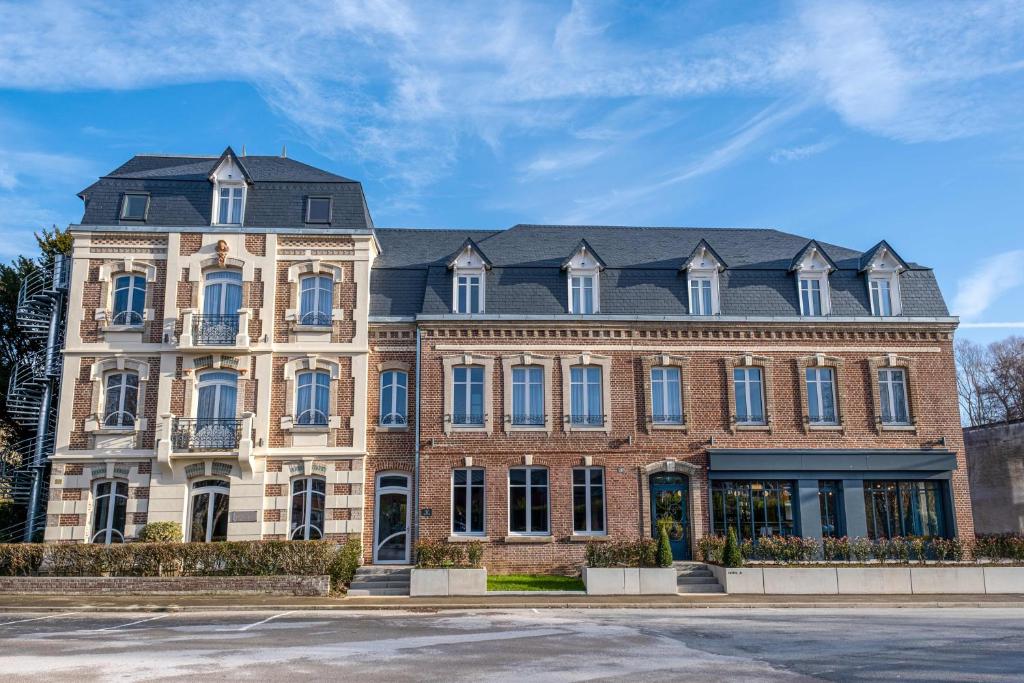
(536,388)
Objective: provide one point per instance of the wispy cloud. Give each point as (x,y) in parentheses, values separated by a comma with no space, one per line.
(783,155)
(995,277)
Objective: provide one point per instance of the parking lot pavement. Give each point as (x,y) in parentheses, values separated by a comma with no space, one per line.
(558,645)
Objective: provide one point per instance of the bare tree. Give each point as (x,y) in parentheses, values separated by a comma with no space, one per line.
(1006,369)
(990,380)
(972,381)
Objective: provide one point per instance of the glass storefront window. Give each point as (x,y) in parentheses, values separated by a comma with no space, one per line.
(753,508)
(904,508)
(830,500)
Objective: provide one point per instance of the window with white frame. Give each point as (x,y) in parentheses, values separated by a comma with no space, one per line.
(585,400)
(308,508)
(468,501)
(700,296)
(134,207)
(313,397)
(394,394)
(129,300)
(666,396)
(821,396)
(316,296)
(230,203)
(892,390)
(468,293)
(810,296)
(468,395)
(528,503)
(109,511)
(528,396)
(208,511)
(581,294)
(748,387)
(588,500)
(121,400)
(881,296)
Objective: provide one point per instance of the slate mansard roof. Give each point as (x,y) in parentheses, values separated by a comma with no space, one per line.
(181,193)
(642,275)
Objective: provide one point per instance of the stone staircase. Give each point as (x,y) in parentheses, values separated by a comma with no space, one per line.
(380,580)
(696,577)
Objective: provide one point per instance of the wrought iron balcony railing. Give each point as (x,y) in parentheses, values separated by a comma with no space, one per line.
(468,419)
(586,420)
(315,319)
(667,419)
(527,420)
(206,434)
(214,330)
(393,420)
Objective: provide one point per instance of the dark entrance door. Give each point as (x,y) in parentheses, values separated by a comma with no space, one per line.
(670,505)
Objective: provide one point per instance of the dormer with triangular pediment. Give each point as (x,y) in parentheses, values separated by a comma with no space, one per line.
(881,266)
(583,270)
(702,283)
(812,266)
(230,183)
(469,266)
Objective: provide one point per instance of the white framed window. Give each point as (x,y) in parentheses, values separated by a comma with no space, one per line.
(468,505)
(582,294)
(666,396)
(586,396)
(129,300)
(811,301)
(469,293)
(394,398)
(881,290)
(218,395)
(701,302)
(892,390)
(121,401)
(316,300)
(318,209)
(528,396)
(135,207)
(208,511)
(748,386)
(529,509)
(230,204)
(468,396)
(313,397)
(109,512)
(308,509)
(821,396)
(588,509)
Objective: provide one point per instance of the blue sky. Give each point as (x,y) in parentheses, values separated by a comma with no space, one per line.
(845,121)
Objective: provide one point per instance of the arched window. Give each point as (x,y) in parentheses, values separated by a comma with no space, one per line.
(313,399)
(109,512)
(316,300)
(129,300)
(208,513)
(223,292)
(122,397)
(394,398)
(308,496)
(217,428)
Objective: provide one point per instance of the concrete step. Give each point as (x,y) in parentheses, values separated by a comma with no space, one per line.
(696,580)
(380,580)
(701,588)
(382,577)
(694,572)
(363,592)
(376,585)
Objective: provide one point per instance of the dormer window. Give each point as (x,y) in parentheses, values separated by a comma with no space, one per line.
(702,269)
(469,268)
(583,269)
(318,209)
(581,289)
(812,267)
(231,201)
(135,207)
(882,267)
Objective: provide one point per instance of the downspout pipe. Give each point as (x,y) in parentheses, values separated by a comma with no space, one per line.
(416,449)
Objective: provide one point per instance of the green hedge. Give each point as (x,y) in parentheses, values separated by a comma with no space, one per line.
(641,553)
(444,555)
(247,558)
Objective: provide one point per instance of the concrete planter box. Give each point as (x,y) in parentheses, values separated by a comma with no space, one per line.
(878,580)
(630,581)
(435,582)
(166,585)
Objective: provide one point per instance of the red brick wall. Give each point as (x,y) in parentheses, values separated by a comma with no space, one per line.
(83,405)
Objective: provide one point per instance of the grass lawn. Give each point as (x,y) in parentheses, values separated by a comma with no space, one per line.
(533,582)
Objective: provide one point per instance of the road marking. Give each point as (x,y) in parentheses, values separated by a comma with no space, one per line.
(258,623)
(132,623)
(48,616)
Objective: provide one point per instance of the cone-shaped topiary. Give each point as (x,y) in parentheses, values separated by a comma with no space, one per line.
(664,547)
(731,556)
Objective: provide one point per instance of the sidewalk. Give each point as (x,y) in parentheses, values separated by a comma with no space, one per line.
(234,603)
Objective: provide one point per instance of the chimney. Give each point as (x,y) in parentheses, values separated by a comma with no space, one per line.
(284,152)
(243,150)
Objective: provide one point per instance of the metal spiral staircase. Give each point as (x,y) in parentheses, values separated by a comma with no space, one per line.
(32,393)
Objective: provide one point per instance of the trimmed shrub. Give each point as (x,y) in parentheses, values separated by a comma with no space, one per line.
(1000,547)
(731,556)
(440,555)
(835,549)
(710,548)
(640,553)
(161,532)
(20,559)
(664,547)
(475,554)
(861,549)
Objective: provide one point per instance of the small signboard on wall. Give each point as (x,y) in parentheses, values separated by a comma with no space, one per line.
(426,512)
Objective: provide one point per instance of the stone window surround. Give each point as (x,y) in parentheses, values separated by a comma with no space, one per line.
(296,272)
(120,477)
(238,365)
(820,360)
(197,276)
(665,360)
(767,384)
(527,359)
(400,366)
(449,363)
(314,363)
(109,272)
(98,374)
(904,363)
(584,359)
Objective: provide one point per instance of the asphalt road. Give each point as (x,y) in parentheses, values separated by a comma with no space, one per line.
(518,645)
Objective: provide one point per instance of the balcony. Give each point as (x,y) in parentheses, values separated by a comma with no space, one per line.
(230,330)
(586,420)
(528,420)
(188,437)
(468,419)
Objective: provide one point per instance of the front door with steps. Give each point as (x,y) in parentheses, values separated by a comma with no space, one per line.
(391,518)
(670,506)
